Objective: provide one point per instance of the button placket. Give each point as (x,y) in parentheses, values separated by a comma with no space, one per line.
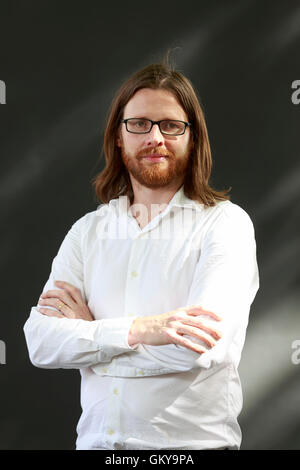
(133,274)
(114,410)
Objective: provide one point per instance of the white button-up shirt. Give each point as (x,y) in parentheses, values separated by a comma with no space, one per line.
(152,397)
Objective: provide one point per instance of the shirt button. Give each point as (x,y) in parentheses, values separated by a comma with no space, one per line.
(104,370)
(133,274)
(140,372)
(110,431)
(116,391)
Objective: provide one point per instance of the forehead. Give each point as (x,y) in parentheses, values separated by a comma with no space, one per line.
(154,104)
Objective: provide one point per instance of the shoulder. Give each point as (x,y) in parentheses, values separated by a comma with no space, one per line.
(229,211)
(229,218)
(87,223)
(234,212)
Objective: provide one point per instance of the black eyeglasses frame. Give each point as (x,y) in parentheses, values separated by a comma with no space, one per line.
(187,124)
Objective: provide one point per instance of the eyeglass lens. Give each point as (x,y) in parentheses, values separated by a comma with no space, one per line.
(141,126)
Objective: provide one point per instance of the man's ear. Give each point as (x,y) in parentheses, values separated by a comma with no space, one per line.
(118,139)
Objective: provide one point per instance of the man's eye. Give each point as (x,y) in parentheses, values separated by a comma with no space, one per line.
(172,125)
(140,123)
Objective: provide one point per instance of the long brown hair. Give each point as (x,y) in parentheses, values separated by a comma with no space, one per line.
(114,180)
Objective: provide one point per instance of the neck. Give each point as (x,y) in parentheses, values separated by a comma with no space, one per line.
(147,202)
(148,196)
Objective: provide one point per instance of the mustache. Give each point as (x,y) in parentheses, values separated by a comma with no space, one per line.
(153,151)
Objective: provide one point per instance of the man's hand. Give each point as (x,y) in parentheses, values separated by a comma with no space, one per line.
(67,300)
(169,328)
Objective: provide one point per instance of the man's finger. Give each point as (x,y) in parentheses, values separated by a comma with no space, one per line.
(197,310)
(73,291)
(197,333)
(197,323)
(58,304)
(181,341)
(60,295)
(50,313)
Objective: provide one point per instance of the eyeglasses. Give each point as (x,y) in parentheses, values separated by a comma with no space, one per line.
(144,126)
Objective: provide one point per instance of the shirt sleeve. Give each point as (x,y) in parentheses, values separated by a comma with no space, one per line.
(225,281)
(73,343)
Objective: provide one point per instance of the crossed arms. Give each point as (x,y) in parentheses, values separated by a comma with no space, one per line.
(226,278)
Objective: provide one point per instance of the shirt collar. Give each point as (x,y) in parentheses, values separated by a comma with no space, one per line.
(181,200)
(178,200)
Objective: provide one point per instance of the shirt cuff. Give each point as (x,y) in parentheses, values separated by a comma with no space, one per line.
(113,335)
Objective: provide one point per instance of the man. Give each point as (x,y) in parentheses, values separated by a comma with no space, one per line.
(149,295)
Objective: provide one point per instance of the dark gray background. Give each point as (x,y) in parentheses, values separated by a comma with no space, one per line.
(62,62)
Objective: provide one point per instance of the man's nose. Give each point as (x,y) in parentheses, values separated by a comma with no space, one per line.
(154,137)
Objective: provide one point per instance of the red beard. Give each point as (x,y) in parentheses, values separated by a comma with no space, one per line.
(155,175)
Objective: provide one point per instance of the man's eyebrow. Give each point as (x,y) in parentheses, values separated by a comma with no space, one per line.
(137,117)
(141,117)
(164,119)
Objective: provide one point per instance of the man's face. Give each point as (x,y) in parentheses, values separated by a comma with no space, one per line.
(155,105)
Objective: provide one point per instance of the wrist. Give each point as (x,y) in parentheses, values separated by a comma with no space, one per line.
(134,334)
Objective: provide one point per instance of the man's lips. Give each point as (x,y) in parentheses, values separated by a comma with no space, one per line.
(155,155)
(155,158)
